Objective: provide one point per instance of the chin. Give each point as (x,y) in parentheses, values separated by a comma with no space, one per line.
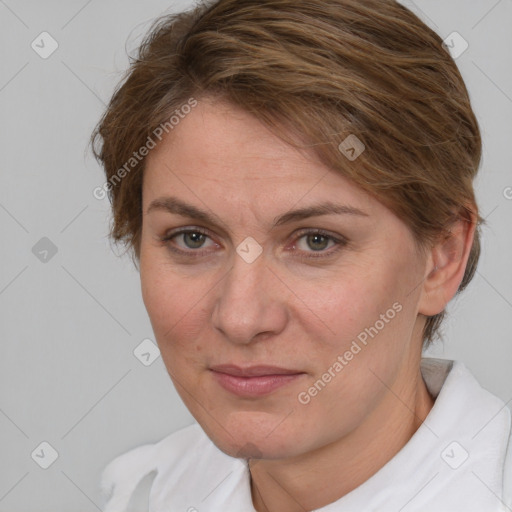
(253,435)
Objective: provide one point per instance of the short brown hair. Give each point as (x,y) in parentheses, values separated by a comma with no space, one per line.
(314,72)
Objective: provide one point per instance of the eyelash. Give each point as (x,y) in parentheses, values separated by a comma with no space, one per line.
(339,242)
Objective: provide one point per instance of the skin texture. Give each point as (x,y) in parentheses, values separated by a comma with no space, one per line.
(288,309)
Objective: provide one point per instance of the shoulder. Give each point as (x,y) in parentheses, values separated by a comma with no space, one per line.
(174,473)
(489,438)
(123,474)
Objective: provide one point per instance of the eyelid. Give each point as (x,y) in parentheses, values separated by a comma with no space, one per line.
(185,229)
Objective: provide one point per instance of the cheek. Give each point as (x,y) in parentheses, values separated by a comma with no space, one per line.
(366,312)
(367,329)
(344,306)
(172,302)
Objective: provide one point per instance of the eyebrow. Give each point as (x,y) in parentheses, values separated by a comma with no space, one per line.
(174,205)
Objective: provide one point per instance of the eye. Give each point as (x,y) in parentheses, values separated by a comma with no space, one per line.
(191,240)
(311,243)
(317,241)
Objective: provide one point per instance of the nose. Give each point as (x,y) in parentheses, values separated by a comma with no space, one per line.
(250,302)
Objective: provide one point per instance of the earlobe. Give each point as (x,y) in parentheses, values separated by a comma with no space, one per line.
(447,264)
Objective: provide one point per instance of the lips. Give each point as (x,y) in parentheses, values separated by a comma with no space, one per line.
(253,381)
(253,371)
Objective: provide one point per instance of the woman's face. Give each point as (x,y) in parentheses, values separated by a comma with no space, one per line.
(251,277)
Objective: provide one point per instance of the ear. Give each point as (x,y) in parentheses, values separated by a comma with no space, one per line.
(446,264)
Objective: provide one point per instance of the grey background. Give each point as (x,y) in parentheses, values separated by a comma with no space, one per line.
(71,321)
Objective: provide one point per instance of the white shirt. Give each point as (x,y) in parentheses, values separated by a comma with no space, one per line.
(460,459)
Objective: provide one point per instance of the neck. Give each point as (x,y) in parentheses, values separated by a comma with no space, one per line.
(285,485)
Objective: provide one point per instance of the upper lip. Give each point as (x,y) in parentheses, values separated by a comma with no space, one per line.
(253,371)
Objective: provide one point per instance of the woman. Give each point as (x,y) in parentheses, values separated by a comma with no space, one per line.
(294,179)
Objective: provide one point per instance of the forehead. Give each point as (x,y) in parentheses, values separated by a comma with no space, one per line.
(221,136)
(218,147)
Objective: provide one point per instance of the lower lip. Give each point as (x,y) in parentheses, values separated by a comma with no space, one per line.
(253,386)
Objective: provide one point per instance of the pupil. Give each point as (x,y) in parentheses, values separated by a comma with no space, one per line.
(316,238)
(196,238)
